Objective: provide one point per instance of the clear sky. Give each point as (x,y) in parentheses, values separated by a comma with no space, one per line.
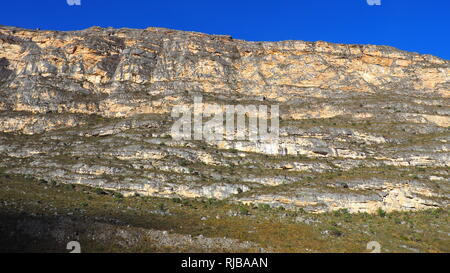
(415,25)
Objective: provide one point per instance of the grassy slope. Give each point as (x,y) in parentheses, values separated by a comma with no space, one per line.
(277,230)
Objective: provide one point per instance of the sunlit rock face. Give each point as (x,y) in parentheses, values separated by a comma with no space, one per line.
(362,127)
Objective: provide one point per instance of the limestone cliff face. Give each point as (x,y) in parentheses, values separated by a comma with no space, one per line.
(115,72)
(93,107)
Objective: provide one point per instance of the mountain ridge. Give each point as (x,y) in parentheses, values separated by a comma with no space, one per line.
(362,127)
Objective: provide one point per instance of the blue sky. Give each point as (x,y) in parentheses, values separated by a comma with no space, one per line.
(415,25)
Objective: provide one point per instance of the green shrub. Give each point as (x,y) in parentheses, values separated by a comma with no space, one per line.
(176,200)
(335,231)
(99,191)
(243,210)
(118,195)
(264,207)
(161,207)
(341,212)
(381,212)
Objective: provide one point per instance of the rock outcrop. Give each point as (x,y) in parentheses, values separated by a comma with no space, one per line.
(362,127)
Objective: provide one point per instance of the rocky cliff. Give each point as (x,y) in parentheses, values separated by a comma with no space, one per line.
(362,127)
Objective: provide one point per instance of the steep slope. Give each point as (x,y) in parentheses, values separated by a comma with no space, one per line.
(362,127)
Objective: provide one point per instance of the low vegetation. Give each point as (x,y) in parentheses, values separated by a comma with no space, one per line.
(272,229)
